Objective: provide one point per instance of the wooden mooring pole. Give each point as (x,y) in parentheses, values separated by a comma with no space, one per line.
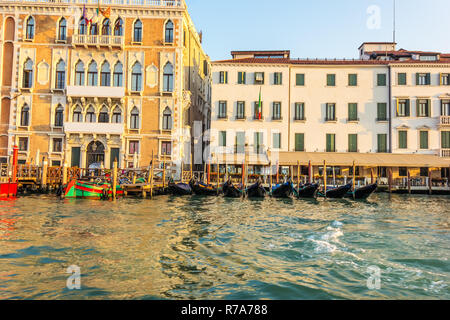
(430,181)
(44,173)
(390,180)
(151,176)
(409,181)
(114,182)
(324,174)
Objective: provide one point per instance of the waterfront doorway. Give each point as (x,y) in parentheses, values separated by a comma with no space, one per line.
(95,155)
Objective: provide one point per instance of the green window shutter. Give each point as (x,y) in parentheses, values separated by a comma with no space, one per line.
(381,111)
(381,79)
(445,139)
(226,77)
(299,142)
(408,108)
(352,111)
(330,142)
(331,80)
(417,79)
(428,107)
(352,143)
(352,80)
(300,79)
(402,79)
(222,139)
(276,140)
(240,142)
(76,151)
(423,139)
(428,79)
(402,140)
(382,143)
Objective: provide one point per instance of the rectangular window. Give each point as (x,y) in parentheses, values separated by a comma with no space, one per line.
(166,148)
(445,79)
(382,111)
(222,110)
(445,107)
(242,77)
(223,77)
(114,155)
(258,111)
(60,79)
(57,145)
(331,80)
(278,78)
(222,138)
(330,112)
(352,80)
(300,79)
(56,163)
(401,80)
(331,142)
(240,142)
(352,112)
(382,142)
(75,159)
(424,172)
(299,142)
(259,77)
(445,140)
(299,112)
(403,108)
(352,143)
(276,140)
(23,144)
(240,110)
(423,140)
(403,139)
(258,143)
(134,147)
(276,111)
(423,79)
(423,108)
(381,79)
(402,172)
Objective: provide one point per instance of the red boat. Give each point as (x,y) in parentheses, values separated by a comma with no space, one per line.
(9,189)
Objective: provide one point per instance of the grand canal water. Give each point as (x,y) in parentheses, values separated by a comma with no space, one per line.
(215,248)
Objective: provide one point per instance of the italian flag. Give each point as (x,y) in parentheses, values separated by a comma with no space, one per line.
(259,104)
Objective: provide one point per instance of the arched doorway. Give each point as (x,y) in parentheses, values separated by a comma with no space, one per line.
(95,155)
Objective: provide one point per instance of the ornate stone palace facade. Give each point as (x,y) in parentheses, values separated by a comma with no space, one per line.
(86,91)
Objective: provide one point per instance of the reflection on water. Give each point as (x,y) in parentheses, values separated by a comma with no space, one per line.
(217,248)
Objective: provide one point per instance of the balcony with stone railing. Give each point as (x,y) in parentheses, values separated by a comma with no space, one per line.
(445,153)
(98,41)
(445,121)
(144,3)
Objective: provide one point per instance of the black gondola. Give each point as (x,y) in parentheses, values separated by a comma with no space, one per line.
(339,192)
(231,191)
(256,191)
(284,190)
(309,190)
(179,189)
(202,189)
(363,192)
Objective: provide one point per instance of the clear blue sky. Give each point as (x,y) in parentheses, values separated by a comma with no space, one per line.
(317,28)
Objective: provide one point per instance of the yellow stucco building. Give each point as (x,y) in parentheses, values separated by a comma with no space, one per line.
(87,88)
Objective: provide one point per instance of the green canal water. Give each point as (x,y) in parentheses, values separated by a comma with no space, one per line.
(216,248)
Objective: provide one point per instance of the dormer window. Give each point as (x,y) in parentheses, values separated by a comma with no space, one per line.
(428,58)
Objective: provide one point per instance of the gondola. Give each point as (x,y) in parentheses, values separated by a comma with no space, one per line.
(231,191)
(256,191)
(309,190)
(339,192)
(179,189)
(363,192)
(202,189)
(284,190)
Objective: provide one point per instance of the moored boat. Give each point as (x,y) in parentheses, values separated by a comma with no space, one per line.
(309,190)
(8,190)
(179,189)
(203,189)
(231,191)
(339,192)
(284,190)
(87,190)
(363,192)
(256,191)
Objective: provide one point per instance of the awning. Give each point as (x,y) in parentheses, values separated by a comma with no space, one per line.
(361,159)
